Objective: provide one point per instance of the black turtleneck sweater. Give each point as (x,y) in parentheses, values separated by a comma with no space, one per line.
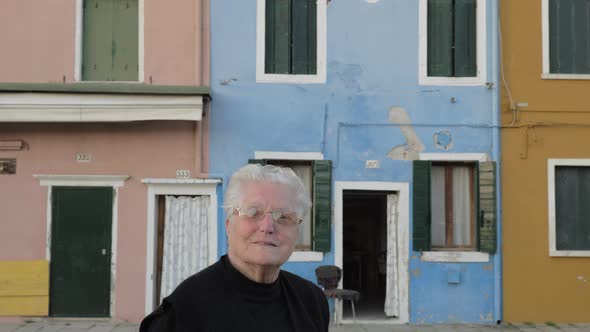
(220,298)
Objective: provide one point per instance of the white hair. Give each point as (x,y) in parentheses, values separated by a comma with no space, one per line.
(269,174)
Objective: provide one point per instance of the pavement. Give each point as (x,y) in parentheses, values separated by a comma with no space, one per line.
(108,326)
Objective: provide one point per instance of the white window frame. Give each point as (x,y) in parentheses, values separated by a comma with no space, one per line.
(480,78)
(78,44)
(204,187)
(455,255)
(300,255)
(551,164)
(113,181)
(319,77)
(545,28)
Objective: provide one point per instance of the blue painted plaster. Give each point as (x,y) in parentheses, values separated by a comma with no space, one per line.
(372,66)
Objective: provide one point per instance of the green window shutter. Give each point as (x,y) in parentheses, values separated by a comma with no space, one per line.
(97,32)
(277,59)
(257,161)
(421,205)
(125,47)
(440,37)
(110,40)
(465,41)
(304,26)
(322,205)
(569,36)
(487,207)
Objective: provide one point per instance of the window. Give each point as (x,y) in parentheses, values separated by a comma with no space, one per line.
(566,30)
(291,41)
(315,229)
(569,207)
(110,32)
(454,206)
(452,40)
(290,37)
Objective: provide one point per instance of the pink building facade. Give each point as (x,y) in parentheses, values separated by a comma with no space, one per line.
(87,164)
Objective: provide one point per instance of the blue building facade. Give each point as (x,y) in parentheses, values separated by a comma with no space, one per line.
(373,105)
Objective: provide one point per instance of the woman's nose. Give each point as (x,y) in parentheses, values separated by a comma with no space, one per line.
(267,224)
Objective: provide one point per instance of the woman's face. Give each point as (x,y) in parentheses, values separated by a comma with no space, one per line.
(264,243)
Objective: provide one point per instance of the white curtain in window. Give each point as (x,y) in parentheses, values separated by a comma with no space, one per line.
(304,173)
(461,206)
(185,240)
(437,206)
(391,281)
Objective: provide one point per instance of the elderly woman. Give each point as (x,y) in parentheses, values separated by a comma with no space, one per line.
(246,290)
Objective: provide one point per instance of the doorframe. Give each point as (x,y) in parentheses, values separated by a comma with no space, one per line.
(113,181)
(403,243)
(193,187)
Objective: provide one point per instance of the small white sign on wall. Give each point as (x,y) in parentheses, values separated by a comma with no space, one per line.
(372,164)
(83,157)
(183,174)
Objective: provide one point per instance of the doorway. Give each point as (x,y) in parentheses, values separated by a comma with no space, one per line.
(177,193)
(395,308)
(80,267)
(365,251)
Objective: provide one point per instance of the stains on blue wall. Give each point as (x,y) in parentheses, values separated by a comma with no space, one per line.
(370,108)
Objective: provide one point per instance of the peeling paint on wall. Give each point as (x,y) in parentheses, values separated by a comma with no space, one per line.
(443,140)
(413,146)
(416,273)
(486,317)
(228,81)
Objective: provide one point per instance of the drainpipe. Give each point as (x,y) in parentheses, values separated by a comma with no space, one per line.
(206,43)
(498,299)
(201,134)
(202,44)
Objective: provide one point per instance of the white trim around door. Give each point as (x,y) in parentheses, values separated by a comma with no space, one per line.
(205,187)
(403,238)
(114,181)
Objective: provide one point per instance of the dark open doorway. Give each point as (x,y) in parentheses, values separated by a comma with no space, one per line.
(365,247)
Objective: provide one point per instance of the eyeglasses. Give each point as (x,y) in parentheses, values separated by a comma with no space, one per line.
(279,216)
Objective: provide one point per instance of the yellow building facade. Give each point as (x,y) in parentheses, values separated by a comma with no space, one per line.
(546,160)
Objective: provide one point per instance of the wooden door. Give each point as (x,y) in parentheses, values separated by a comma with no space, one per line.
(80,268)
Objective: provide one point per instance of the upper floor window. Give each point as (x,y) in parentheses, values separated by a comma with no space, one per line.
(109,42)
(291,41)
(452,41)
(566,38)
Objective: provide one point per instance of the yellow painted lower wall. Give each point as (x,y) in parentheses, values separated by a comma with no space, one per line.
(24,288)
(536,286)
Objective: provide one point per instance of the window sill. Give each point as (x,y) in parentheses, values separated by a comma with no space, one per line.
(455,256)
(549,76)
(293,79)
(306,256)
(569,253)
(460,81)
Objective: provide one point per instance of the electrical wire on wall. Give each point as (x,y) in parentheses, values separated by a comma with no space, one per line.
(506,86)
